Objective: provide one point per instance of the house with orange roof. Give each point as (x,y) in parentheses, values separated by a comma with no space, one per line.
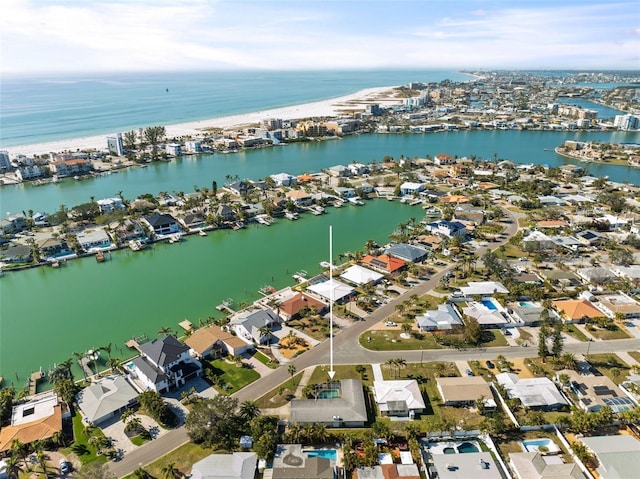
(299,197)
(443,159)
(485,185)
(213,341)
(455,199)
(552,224)
(291,307)
(76,166)
(577,310)
(305,178)
(384,263)
(459,169)
(34,420)
(439,174)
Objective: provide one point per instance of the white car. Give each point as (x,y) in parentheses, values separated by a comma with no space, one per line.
(390,323)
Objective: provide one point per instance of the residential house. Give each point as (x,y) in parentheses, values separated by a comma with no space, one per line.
(590,238)
(173,149)
(409,188)
(526,313)
(449,229)
(476,465)
(595,392)
(356,274)
(400,398)
(239,188)
(162,224)
(213,341)
(11,224)
(388,471)
(290,462)
(631,272)
(532,465)
(17,253)
(94,239)
(299,197)
(565,279)
(537,241)
(332,291)
(34,420)
(465,391)
(40,219)
(577,310)
(443,159)
(533,393)
(612,304)
(483,288)
(596,275)
(253,325)
(283,179)
(345,192)
(445,318)
(193,221)
(339,171)
(384,263)
(106,398)
(164,363)
(109,205)
(358,168)
(238,465)
(346,410)
(291,307)
(129,230)
(408,252)
(54,248)
(226,212)
(618,455)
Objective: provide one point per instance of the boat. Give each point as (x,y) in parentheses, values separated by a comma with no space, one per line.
(100,256)
(135,245)
(202,233)
(300,276)
(325,264)
(389,198)
(176,238)
(291,215)
(238,225)
(264,219)
(355,201)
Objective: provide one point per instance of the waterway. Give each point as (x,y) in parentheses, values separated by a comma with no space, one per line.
(47,314)
(182,174)
(604,112)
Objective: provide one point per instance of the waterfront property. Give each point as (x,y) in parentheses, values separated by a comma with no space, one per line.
(163,364)
(34,420)
(254,325)
(358,275)
(347,410)
(106,398)
(213,341)
(332,291)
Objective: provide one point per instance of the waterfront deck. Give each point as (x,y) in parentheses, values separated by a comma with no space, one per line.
(33,382)
(186,325)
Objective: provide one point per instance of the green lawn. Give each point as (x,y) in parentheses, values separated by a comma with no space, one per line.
(606,334)
(610,365)
(138,440)
(182,458)
(492,338)
(234,378)
(80,447)
(320,374)
(383,340)
(281,395)
(573,331)
(266,360)
(635,355)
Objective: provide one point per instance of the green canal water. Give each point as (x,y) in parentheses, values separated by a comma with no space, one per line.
(47,314)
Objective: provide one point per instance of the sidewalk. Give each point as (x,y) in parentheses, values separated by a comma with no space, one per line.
(304,380)
(626,357)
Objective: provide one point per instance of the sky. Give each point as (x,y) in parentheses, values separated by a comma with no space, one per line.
(174,35)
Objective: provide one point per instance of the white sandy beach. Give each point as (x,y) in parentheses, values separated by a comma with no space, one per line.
(326,108)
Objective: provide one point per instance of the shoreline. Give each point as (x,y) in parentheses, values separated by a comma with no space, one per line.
(331,107)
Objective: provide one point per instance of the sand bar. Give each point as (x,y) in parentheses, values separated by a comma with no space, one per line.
(332,107)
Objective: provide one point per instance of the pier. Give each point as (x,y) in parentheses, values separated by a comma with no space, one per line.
(33,382)
(134,343)
(226,306)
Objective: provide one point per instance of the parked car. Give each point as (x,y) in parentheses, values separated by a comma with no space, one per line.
(490,365)
(469,372)
(507,332)
(65,467)
(390,323)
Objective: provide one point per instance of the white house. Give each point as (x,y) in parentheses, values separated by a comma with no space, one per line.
(398,398)
(283,179)
(106,398)
(410,188)
(250,325)
(109,205)
(164,363)
(94,239)
(358,275)
(449,229)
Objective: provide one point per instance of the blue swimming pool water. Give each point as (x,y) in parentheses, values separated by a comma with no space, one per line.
(532,445)
(329,394)
(525,304)
(488,304)
(467,447)
(331,454)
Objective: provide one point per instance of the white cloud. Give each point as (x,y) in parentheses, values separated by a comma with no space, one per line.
(181,34)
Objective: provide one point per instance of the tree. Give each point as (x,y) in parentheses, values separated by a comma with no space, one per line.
(165,331)
(129,140)
(249,410)
(80,358)
(153,135)
(170,471)
(155,406)
(94,470)
(141,473)
(543,335)
(472,330)
(292,370)
(13,470)
(42,459)
(557,340)
(19,449)
(7,396)
(67,390)
(214,422)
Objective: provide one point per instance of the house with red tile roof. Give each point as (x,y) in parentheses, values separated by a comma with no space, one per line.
(576,310)
(291,307)
(384,263)
(34,420)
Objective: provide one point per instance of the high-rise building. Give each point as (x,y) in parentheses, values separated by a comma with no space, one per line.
(5,162)
(626,122)
(115,145)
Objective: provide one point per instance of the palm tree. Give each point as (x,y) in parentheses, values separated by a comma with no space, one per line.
(59,438)
(19,449)
(42,459)
(165,331)
(140,473)
(170,471)
(292,370)
(249,410)
(107,349)
(126,415)
(79,357)
(13,470)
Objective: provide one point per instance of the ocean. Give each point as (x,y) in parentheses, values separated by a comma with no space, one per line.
(48,108)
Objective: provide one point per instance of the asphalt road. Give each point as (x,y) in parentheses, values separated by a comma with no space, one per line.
(347,350)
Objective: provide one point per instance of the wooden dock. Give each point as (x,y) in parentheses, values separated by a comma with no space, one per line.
(226,306)
(186,325)
(33,382)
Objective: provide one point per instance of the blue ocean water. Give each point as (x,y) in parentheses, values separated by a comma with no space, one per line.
(48,108)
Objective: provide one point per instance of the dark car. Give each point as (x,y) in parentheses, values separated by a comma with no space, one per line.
(490,365)
(469,372)
(65,467)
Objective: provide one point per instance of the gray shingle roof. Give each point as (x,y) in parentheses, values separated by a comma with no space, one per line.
(164,351)
(350,407)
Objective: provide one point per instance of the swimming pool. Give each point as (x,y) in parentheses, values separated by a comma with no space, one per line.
(534,445)
(487,303)
(331,454)
(467,447)
(526,304)
(329,394)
